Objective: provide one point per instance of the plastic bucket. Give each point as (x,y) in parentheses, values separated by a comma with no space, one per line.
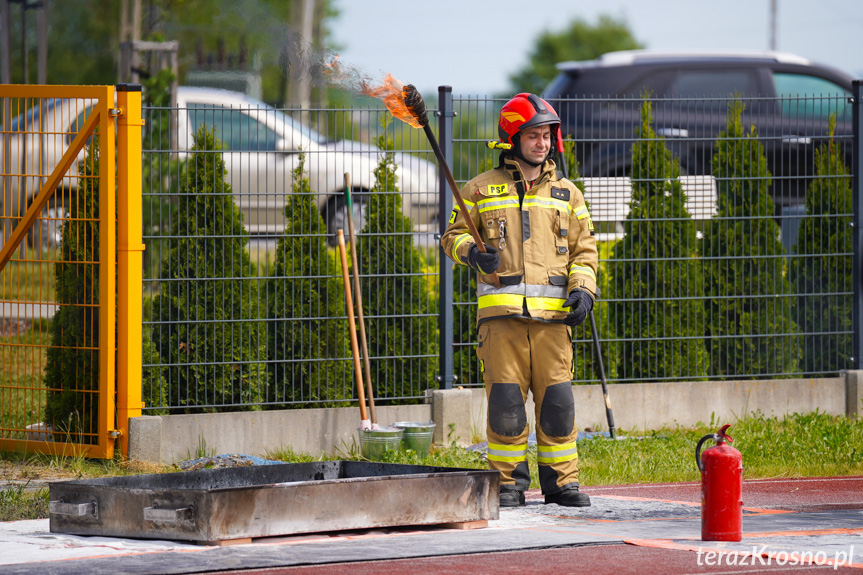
(417,435)
(375,442)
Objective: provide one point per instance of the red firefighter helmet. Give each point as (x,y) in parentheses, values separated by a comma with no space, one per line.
(526,111)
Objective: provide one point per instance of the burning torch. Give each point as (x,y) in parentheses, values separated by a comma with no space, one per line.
(416,107)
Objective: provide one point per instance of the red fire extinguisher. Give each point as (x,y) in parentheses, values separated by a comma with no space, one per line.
(721,469)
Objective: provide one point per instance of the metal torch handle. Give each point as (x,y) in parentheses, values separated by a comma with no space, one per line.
(609,415)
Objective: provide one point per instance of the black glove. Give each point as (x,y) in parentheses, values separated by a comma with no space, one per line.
(580,304)
(484,263)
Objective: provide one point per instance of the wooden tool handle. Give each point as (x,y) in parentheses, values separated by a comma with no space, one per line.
(457,193)
(359,298)
(349,304)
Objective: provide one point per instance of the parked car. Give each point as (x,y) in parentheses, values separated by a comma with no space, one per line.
(261,149)
(788,99)
(260,146)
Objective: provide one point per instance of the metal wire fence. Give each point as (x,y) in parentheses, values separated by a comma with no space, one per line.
(723,226)
(244,301)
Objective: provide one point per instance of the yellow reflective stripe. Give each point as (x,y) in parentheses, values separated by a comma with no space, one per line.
(492,457)
(502,447)
(467,204)
(458,242)
(556,453)
(548,203)
(582,212)
(555,448)
(500,299)
(507,453)
(573,457)
(497,204)
(580,269)
(546,303)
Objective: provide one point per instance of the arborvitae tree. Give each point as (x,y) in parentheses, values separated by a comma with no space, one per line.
(819,272)
(465,362)
(209,335)
(747,301)
(653,272)
(154,386)
(584,350)
(72,359)
(396,299)
(305,342)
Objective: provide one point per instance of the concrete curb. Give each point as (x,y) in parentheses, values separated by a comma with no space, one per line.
(459,415)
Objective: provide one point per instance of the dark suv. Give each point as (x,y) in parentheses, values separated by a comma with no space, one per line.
(787,98)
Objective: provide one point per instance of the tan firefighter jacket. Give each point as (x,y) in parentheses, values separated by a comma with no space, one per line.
(545,241)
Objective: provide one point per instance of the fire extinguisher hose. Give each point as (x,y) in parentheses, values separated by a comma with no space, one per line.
(698,462)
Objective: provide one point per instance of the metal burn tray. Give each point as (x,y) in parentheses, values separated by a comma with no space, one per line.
(214,505)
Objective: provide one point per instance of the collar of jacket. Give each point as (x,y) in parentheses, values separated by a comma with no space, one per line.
(513,168)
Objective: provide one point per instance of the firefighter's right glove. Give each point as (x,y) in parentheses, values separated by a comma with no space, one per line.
(580,304)
(484,263)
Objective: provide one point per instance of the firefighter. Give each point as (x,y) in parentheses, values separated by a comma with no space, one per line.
(539,240)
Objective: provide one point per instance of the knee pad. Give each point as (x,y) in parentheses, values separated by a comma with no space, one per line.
(506,414)
(557,414)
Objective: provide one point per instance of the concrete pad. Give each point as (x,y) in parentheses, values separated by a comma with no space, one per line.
(771,535)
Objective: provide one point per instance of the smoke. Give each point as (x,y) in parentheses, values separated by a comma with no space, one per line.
(275,42)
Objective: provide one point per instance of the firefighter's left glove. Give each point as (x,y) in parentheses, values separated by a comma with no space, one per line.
(580,304)
(484,263)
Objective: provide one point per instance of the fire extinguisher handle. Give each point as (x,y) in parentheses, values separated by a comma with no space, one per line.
(701,441)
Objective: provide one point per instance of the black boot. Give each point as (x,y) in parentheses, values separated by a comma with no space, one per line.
(569,497)
(511,498)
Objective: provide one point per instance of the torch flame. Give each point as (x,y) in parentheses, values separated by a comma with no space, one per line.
(390,93)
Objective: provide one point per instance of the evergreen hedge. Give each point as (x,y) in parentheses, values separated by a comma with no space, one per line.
(465,361)
(306,343)
(586,366)
(654,284)
(822,271)
(72,357)
(154,386)
(207,329)
(401,321)
(748,307)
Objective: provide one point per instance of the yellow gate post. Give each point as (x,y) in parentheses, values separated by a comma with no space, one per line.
(107,275)
(129,259)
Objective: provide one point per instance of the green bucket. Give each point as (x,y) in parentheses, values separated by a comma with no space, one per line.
(417,435)
(375,442)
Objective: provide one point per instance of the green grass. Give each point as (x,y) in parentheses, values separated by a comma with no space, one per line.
(17,503)
(794,446)
(22,390)
(809,445)
(29,281)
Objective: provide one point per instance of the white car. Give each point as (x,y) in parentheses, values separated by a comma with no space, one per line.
(260,146)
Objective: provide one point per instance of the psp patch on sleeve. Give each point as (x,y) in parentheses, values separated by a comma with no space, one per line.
(453,215)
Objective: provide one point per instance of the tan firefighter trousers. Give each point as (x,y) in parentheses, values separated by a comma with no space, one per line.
(518,355)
